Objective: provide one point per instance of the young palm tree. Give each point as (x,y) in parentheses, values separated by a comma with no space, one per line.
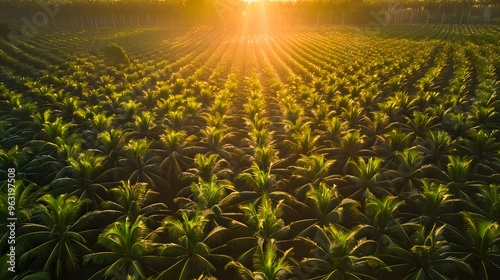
(420,124)
(376,127)
(133,200)
(208,168)
(15,158)
(261,221)
(175,119)
(54,240)
(457,124)
(339,254)
(488,202)
(483,149)
(437,146)
(350,147)
(111,145)
(259,138)
(410,170)
(427,256)
(266,263)
(26,195)
(258,183)
(397,140)
(304,142)
(195,249)
(484,117)
(266,158)
(309,172)
(264,219)
(141,164)
(458,178)
(58,129)
(128,251)
(129,109)
(433,205)
(145,126)
(205,194)
(175,152)
(368,179)
(478,245)
(80,178)
(333,128)
(383,222)
(321,114)
(217,141)
(321,206)
(354,116)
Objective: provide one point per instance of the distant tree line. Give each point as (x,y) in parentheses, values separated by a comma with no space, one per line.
(175,13)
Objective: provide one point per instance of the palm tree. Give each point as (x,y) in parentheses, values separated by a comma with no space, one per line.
(427,256)
(368,179)
(195,251)
(397,140)
(264,219)
(304,142)
(488,202)
(431,206)
(354,115)
(141,164)
(266,157)
(26,195)
(111,145)
(52,131)
(258,183)
(457,124)
(145,126)
(133,200)
(80,178)
(420,124)
(478,245)
(321,206)
(266,264)
(376,126)
(175,153)
(261,221)
(217,141)
(350,147)
(129,251)
(484,117)
(309,172)
(409,171)
(205,194)
(217,120)
(333,129)
(321,114)
(15,158)
(208,168)
(382,221)
(101,122)
(437,146)
(129,109)
(54,239)
(339,254)
(258,138)
(458,178)
(483,150)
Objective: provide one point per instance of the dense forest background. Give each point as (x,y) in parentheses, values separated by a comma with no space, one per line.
(176,13)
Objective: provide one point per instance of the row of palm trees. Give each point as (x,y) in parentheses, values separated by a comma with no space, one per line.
(362,166)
